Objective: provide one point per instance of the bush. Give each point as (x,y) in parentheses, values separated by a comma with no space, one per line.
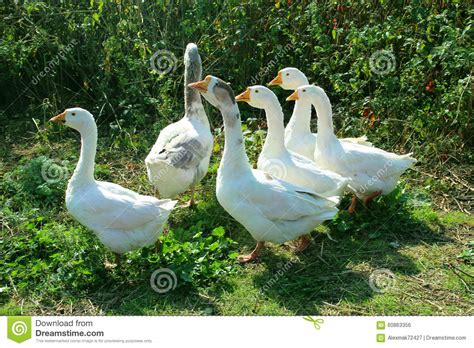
(98,56)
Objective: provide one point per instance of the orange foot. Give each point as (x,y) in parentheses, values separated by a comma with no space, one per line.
(252,256)
(109,265)
(353,205)
(189,204)
(246,258)
(157,245)
(372,196)
(303,242)
(117,262)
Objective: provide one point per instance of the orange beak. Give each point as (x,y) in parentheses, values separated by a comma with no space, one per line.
(293,96)
(277,80)
(244,97)
(201,86)
(61,118)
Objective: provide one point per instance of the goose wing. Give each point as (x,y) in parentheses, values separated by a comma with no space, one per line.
(280,200)
(181,149)
(114,206)
(373,161)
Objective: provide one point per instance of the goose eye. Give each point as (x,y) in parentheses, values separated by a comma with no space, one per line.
(304,90)
(256,91)
(73,114)
(287,74)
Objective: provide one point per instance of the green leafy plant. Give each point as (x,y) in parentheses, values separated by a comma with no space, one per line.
(197,257)
(467,255)
(41,180)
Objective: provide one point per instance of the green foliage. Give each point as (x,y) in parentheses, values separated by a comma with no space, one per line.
(467,255)
(53,257)
(197,258)
(39,180)
(98,56)
(254,137)
(48,256)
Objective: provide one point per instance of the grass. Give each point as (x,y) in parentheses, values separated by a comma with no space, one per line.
(53,265)
(414,246)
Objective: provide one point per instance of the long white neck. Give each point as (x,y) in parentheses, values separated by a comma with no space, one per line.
(84,172)
(275,140)
(234,159)
(324,111)
(300,120)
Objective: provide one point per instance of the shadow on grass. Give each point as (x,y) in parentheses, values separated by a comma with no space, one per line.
(329,272)
(124,294)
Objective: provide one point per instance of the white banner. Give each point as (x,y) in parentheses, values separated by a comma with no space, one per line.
(236,331)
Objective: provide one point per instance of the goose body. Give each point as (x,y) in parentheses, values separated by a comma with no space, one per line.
(180,157)
(370,170)
(179,160)
(277,160)
(122,219)
(298,135)
(270,209)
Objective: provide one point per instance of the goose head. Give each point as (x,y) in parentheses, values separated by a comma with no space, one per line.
(77,118)
(216,91)
(257,96)
(307,93)
(289,78)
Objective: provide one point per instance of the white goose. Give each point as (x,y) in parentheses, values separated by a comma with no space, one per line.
(270,209)
(180,157)
(371,171)
(298,136)
(277,160)
(122,219)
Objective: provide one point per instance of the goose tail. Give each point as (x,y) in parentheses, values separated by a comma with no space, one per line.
(341,187)
(408,159)
(167,204)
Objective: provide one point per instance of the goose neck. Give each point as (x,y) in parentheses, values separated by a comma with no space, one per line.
(300,120)
(324,112)
(234,157)
(84,172)
(275,139)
